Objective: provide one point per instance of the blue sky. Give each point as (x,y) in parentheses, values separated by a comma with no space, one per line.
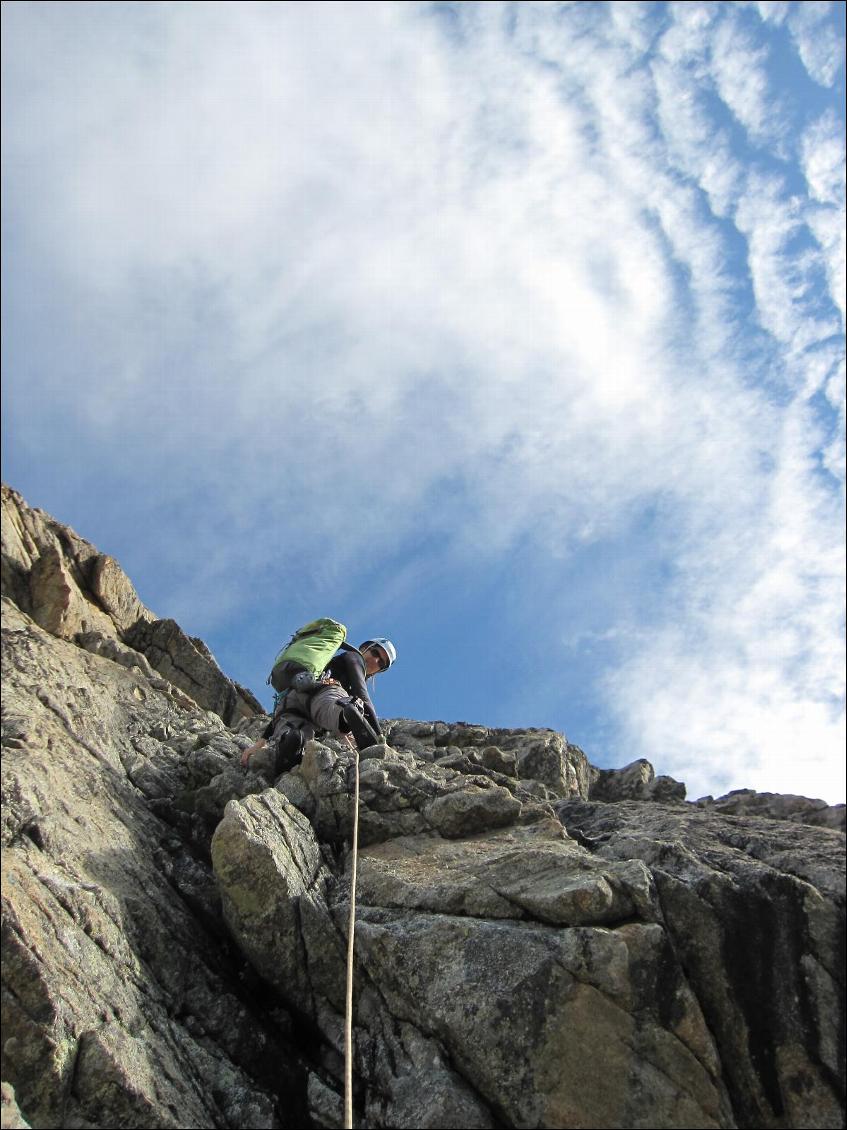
(514,332)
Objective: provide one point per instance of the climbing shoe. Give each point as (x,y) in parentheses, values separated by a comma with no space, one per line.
(357,724)
(289,747)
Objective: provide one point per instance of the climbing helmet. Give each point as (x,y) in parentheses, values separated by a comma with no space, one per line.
(386,646)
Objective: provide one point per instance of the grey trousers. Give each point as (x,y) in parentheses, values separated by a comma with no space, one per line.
(323,707)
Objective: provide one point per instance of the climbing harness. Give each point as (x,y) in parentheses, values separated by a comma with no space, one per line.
(348,1017)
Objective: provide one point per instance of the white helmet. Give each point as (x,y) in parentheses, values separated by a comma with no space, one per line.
(386,645)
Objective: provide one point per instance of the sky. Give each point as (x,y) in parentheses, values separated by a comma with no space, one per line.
(511,331)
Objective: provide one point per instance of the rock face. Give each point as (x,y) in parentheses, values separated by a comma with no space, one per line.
(755,911)
(539,943)
(610,942)
(77,593)
(777,806)
(121,1003)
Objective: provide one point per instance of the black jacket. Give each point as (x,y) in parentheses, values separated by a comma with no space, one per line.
(348,668)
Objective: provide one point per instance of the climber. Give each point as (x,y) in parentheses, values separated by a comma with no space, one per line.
(337,702)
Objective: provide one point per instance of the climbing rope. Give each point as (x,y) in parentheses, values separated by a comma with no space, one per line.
(348,1018)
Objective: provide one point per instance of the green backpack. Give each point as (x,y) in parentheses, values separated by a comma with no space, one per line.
(312,646)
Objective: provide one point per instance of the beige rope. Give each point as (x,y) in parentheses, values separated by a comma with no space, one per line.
(348,1019)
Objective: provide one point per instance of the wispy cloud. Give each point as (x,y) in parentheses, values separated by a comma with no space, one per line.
(490,279)
(819,44)
(823,161)
(738,66)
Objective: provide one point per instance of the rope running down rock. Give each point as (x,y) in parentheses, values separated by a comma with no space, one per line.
(348,1018)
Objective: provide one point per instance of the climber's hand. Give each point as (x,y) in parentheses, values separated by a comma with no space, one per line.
(254,748)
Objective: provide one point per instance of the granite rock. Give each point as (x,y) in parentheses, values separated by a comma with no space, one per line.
(122,1003)
(538,942)
(77,593)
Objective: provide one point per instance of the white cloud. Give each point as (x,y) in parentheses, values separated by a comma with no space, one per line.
(822,149)
(820,47)
(834,452)
(633,23)
(738,67)
(773,11)
(697,148)
(744,687)
(827,226)
(822,152)
(783,276)
(358,278)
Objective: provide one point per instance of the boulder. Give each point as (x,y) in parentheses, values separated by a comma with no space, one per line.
(636,781)
(10,1114)
(778,806)
(274,887)
(400,795)
(534,755)
(57,603)
(472,809)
